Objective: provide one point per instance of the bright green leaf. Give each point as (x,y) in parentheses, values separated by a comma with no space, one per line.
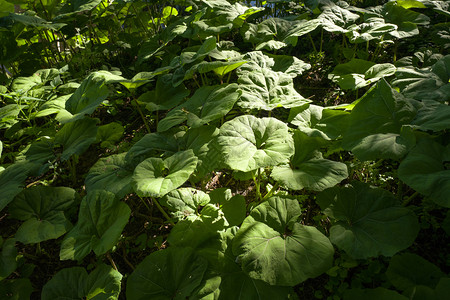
(248,143)
(271,241)
(155,177)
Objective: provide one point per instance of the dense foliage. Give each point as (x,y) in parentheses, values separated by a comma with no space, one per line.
(221,149)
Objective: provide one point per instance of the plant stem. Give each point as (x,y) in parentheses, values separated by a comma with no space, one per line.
(257,180)
(145,203)
(270,193)
(108,255)
(162,211)
(409,199)
(142,115)
(312,42)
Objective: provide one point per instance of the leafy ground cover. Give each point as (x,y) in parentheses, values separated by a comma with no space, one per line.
(217,149)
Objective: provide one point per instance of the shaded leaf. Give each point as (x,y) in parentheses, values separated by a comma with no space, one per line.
(368,221)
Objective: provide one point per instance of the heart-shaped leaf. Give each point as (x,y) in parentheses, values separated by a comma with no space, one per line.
(428,83)
(308,169)
(266,89)
(209,103)
(165,96)
(233,207)
(8,258)
(272,229)
(42,208)
(317,121)
(173,273)
(112,174)
(375,124)
(359,73)
(425,170)
(407,271)
(155,177)
(101,220)
(12,180)
(248,143)
(76,137)
(75,283)
(184,202)
(368,221)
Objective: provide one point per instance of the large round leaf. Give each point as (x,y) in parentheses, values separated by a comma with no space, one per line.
(369,221)
(172,273)
(112,173)
(76,137)
(12,180)
(8,258)
(273,247)
(425,170)
(375,124)
(155,177)
(308,169)
(248,143)
(209,103)
(101,220)
(407,271)
(42,208)
(316,121)
(184,201)
(74,283)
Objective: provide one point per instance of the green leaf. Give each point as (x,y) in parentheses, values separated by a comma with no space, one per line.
(428,83)
(272,229)
(28,19)
(307,168)
(317,121)
(112,174)
(8,115)
(233,207)
(73,7)
(373,28)
(16,289)
(173,273)
(375,124)
(284,32)
(433,116)
(368,221)
(76,137)
(42,208)
(407,271)
(196,230)
(248,143)
(109,134)
(265,89)
(8,258)
(359,73)
(91,93)
(336,19)
(405,19)
(209,103)
(200,140)
(101,220)
(165,96)
(155,142)
(12,180)
(75,283)
(424,170)
(373,294)
(184,202)
(155,177)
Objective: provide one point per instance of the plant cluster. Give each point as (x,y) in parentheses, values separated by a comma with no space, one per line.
(221,149)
